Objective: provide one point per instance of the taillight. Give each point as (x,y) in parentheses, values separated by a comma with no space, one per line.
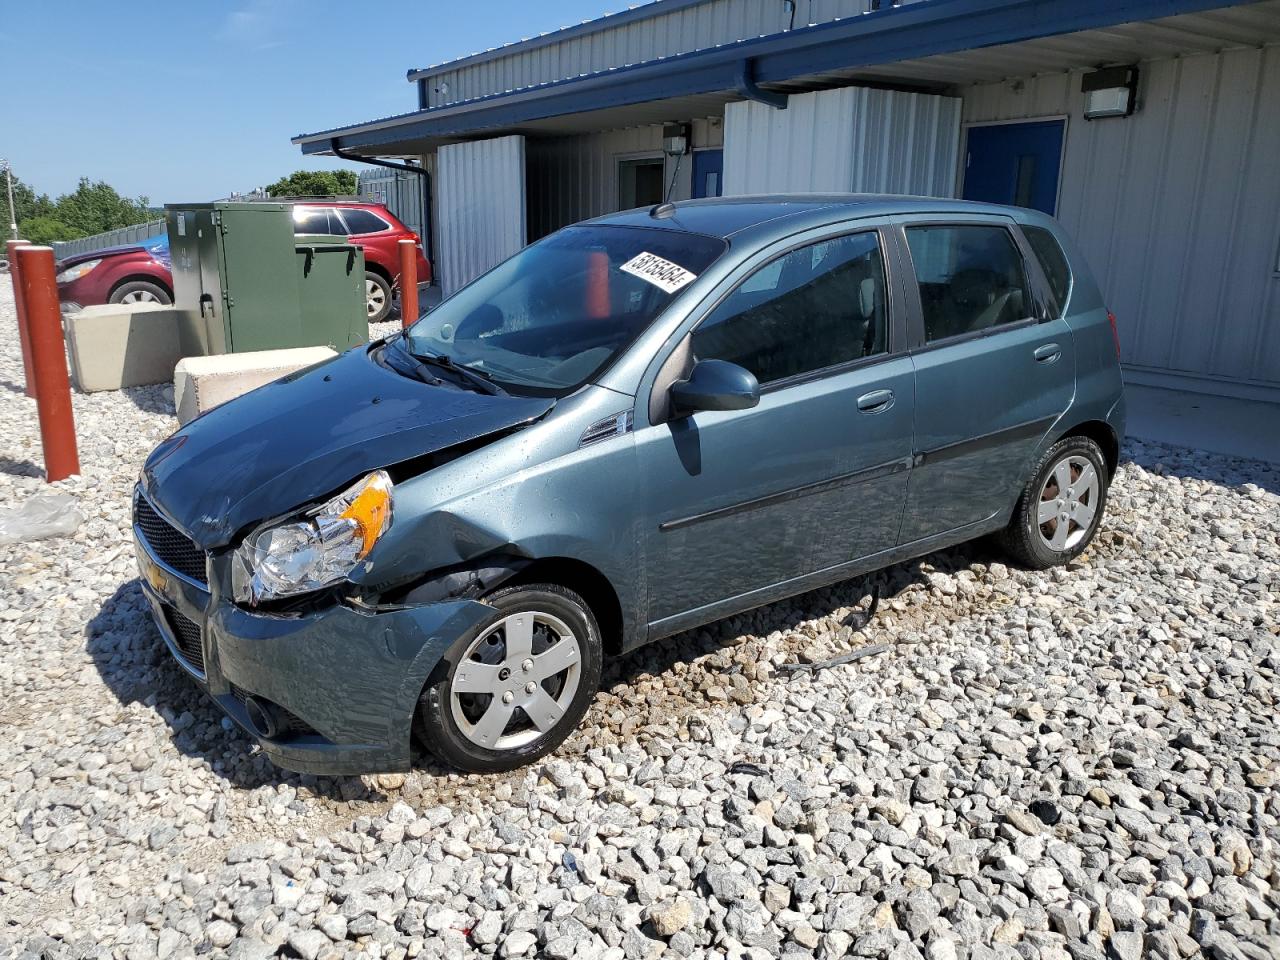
(1115,334)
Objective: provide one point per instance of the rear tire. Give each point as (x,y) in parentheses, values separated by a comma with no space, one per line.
(1061,506)
(140,291)
(512,689)
(377,296)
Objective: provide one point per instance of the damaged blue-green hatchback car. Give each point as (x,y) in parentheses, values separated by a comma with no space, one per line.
(634,426)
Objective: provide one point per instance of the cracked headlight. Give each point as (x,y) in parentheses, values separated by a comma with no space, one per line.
(318,551)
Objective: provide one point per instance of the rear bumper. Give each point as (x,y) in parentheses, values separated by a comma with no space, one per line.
(349,678)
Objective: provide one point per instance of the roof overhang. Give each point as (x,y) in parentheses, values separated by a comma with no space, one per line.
(936,42)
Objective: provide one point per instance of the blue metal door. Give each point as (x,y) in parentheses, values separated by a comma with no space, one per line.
(708,173)
(1015,163)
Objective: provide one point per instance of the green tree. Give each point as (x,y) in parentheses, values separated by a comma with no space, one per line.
(26,202)
(44,229)
(95,207)
(90,208)
(315,183)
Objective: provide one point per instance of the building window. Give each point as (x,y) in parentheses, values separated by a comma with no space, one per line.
(640,182)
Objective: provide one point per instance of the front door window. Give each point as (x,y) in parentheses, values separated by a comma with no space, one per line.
(818,306)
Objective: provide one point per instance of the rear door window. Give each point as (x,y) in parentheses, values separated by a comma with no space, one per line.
(317,220)
(363,221)
(971,278)
(818,306)
(1052,261)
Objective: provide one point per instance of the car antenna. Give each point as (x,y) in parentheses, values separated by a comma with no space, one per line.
(662,211)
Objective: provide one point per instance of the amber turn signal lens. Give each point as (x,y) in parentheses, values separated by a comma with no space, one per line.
(371,510)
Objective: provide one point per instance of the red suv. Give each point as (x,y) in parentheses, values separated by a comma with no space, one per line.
(141,272)
(367,225)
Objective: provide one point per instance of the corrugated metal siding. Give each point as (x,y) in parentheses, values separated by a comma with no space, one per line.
(1177,207)
(112,238)
(401,193)
(481,208)
(576,178)
(851,139)
(698,27)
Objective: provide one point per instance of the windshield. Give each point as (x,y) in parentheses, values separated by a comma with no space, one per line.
(547,320)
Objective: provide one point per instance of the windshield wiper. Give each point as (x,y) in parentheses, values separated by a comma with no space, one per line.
(402,361)
(477,378)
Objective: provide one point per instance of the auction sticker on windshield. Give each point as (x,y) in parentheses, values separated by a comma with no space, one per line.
(664,274)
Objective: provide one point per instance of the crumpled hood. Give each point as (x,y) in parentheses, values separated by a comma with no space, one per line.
(307,436)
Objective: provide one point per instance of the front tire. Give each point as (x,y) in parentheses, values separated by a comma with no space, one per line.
(516,686)
(140,291)
(377,296)
(1061,506)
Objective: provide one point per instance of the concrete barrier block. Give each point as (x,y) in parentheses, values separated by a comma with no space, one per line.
(122,345)
(202,383)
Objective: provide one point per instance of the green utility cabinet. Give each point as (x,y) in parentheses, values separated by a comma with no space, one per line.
(243,281)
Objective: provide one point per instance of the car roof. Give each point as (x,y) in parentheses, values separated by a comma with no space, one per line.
(727,216)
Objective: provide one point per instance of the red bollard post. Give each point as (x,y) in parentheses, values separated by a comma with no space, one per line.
(23,338)
(36,271)
(408,282)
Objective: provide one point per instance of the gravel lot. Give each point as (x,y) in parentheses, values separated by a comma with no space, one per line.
(1077,763)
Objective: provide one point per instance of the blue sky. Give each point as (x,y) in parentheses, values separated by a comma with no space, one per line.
(182,101)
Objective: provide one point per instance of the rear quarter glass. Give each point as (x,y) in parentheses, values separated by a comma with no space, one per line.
(1052,261)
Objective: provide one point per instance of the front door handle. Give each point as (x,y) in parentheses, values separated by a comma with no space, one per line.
(877,401)
(1047,353)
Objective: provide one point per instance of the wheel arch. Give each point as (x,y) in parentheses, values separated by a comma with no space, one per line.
(141,278)
(1101,433)
(590,584)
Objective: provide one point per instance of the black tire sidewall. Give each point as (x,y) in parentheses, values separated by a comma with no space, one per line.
(120,292)
(369,275)
(1040,554)
(434,720)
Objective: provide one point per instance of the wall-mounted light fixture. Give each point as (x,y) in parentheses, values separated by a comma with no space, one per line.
(1112,92)
(677,138)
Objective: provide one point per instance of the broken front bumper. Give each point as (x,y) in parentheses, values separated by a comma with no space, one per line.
(346,680)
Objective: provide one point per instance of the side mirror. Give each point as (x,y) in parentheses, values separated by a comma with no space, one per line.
(715,385)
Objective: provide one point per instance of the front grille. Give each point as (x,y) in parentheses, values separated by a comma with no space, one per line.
(171,546)
(186,635)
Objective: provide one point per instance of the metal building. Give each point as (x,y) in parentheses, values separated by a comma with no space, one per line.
(1151,128)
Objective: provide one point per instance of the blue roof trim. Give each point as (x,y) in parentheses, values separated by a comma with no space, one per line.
(901,33)
(645,11)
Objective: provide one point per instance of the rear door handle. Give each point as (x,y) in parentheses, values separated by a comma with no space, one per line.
(877,401)
(1047,353)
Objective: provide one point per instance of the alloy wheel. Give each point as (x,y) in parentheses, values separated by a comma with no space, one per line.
(516,681)
(375,298)
(1068,502)
(139,296)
